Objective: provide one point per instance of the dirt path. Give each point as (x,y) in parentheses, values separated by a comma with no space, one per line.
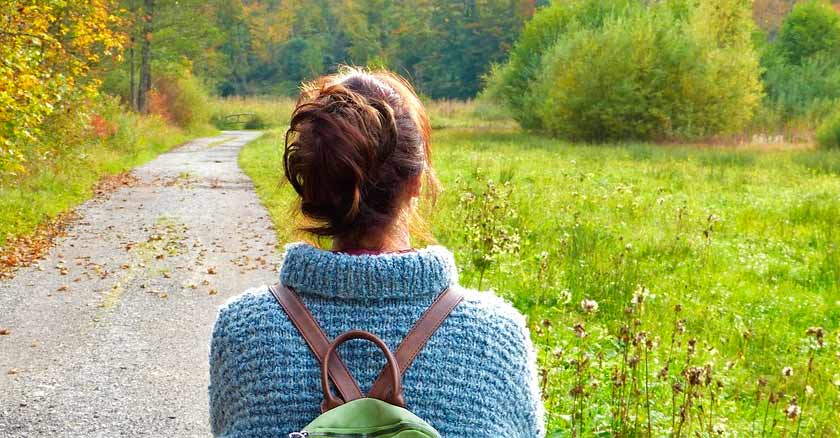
(109,335)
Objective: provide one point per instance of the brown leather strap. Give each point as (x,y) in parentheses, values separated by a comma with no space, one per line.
(317,340)
(391,365)
(416,338)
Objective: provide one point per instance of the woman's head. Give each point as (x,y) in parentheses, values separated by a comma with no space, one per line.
(357,151)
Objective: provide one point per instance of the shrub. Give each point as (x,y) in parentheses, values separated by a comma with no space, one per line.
(828,134)
(801,68)
(512,82)
(811,28)
(666,70)
(256,122)
(180,99)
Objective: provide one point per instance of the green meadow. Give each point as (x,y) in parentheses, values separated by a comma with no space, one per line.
(680,290)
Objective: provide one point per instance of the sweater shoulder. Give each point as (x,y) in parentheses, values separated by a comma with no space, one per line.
(491,313)
(245,309)
(489,305)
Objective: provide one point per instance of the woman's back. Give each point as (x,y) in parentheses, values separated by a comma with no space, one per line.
(474,378)
(358,155)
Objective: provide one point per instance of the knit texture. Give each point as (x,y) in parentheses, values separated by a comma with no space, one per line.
(476,377)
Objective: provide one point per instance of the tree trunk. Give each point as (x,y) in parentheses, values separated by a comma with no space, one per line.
(146,57)
(132,84)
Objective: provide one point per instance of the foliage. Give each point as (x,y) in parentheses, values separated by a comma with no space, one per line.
(487,223)
(713,271)
(623,70)
(812,28)
(182,100)
(511,83)
(48,48)
(443,46)
(828,134)
(802,66)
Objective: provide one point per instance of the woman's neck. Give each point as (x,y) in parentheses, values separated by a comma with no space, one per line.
(394,242)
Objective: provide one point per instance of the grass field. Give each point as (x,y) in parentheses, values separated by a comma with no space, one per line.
(670,289)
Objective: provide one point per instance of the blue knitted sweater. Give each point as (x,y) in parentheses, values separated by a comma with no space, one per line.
(475,378)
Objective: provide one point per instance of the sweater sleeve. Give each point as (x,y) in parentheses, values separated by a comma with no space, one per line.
(528,415)
(218,366)
(517,406)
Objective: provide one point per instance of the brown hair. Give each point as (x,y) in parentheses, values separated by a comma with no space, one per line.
(355,140)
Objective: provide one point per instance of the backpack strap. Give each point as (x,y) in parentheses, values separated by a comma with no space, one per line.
(416,338)
(317,340)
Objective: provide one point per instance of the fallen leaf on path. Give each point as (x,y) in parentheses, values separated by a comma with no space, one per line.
(213,292)
(211,270)
(62,288)
(167,274)
(24,251)
(5,331)
(12,371)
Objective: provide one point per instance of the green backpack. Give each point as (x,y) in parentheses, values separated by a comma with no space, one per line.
(382,413)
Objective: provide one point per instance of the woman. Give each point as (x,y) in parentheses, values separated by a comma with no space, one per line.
(358,155)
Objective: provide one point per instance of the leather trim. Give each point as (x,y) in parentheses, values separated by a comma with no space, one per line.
(317,340)
(416,339)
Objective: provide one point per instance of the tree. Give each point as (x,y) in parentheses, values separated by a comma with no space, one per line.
(146,57)
(49,49)
(812,28)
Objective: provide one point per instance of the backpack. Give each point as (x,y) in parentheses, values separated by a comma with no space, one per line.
(382,413)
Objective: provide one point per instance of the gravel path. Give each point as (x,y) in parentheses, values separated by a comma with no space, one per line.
(109,335)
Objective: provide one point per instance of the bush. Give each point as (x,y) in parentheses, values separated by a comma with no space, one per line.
(812,28)
(256,122)
(633,71)
(828,134)
(511,83)
(801,68)
(180,99)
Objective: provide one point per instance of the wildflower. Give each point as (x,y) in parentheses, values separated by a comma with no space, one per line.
(633,361)
(589,306)
(787,372)
(818,333)
(694,375)
(639,295)
(719,429)
(677,308)
(565,296)
(580,331)
(680,326)
(557,352)
(809,390)
(836,380)
(663,373)
(792,410)
(762,381)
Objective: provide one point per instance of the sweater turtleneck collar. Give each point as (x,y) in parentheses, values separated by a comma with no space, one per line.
(399,275)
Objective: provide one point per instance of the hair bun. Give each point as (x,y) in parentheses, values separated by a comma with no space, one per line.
(351,146)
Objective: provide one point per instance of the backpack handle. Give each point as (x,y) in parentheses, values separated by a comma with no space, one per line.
(330,400)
